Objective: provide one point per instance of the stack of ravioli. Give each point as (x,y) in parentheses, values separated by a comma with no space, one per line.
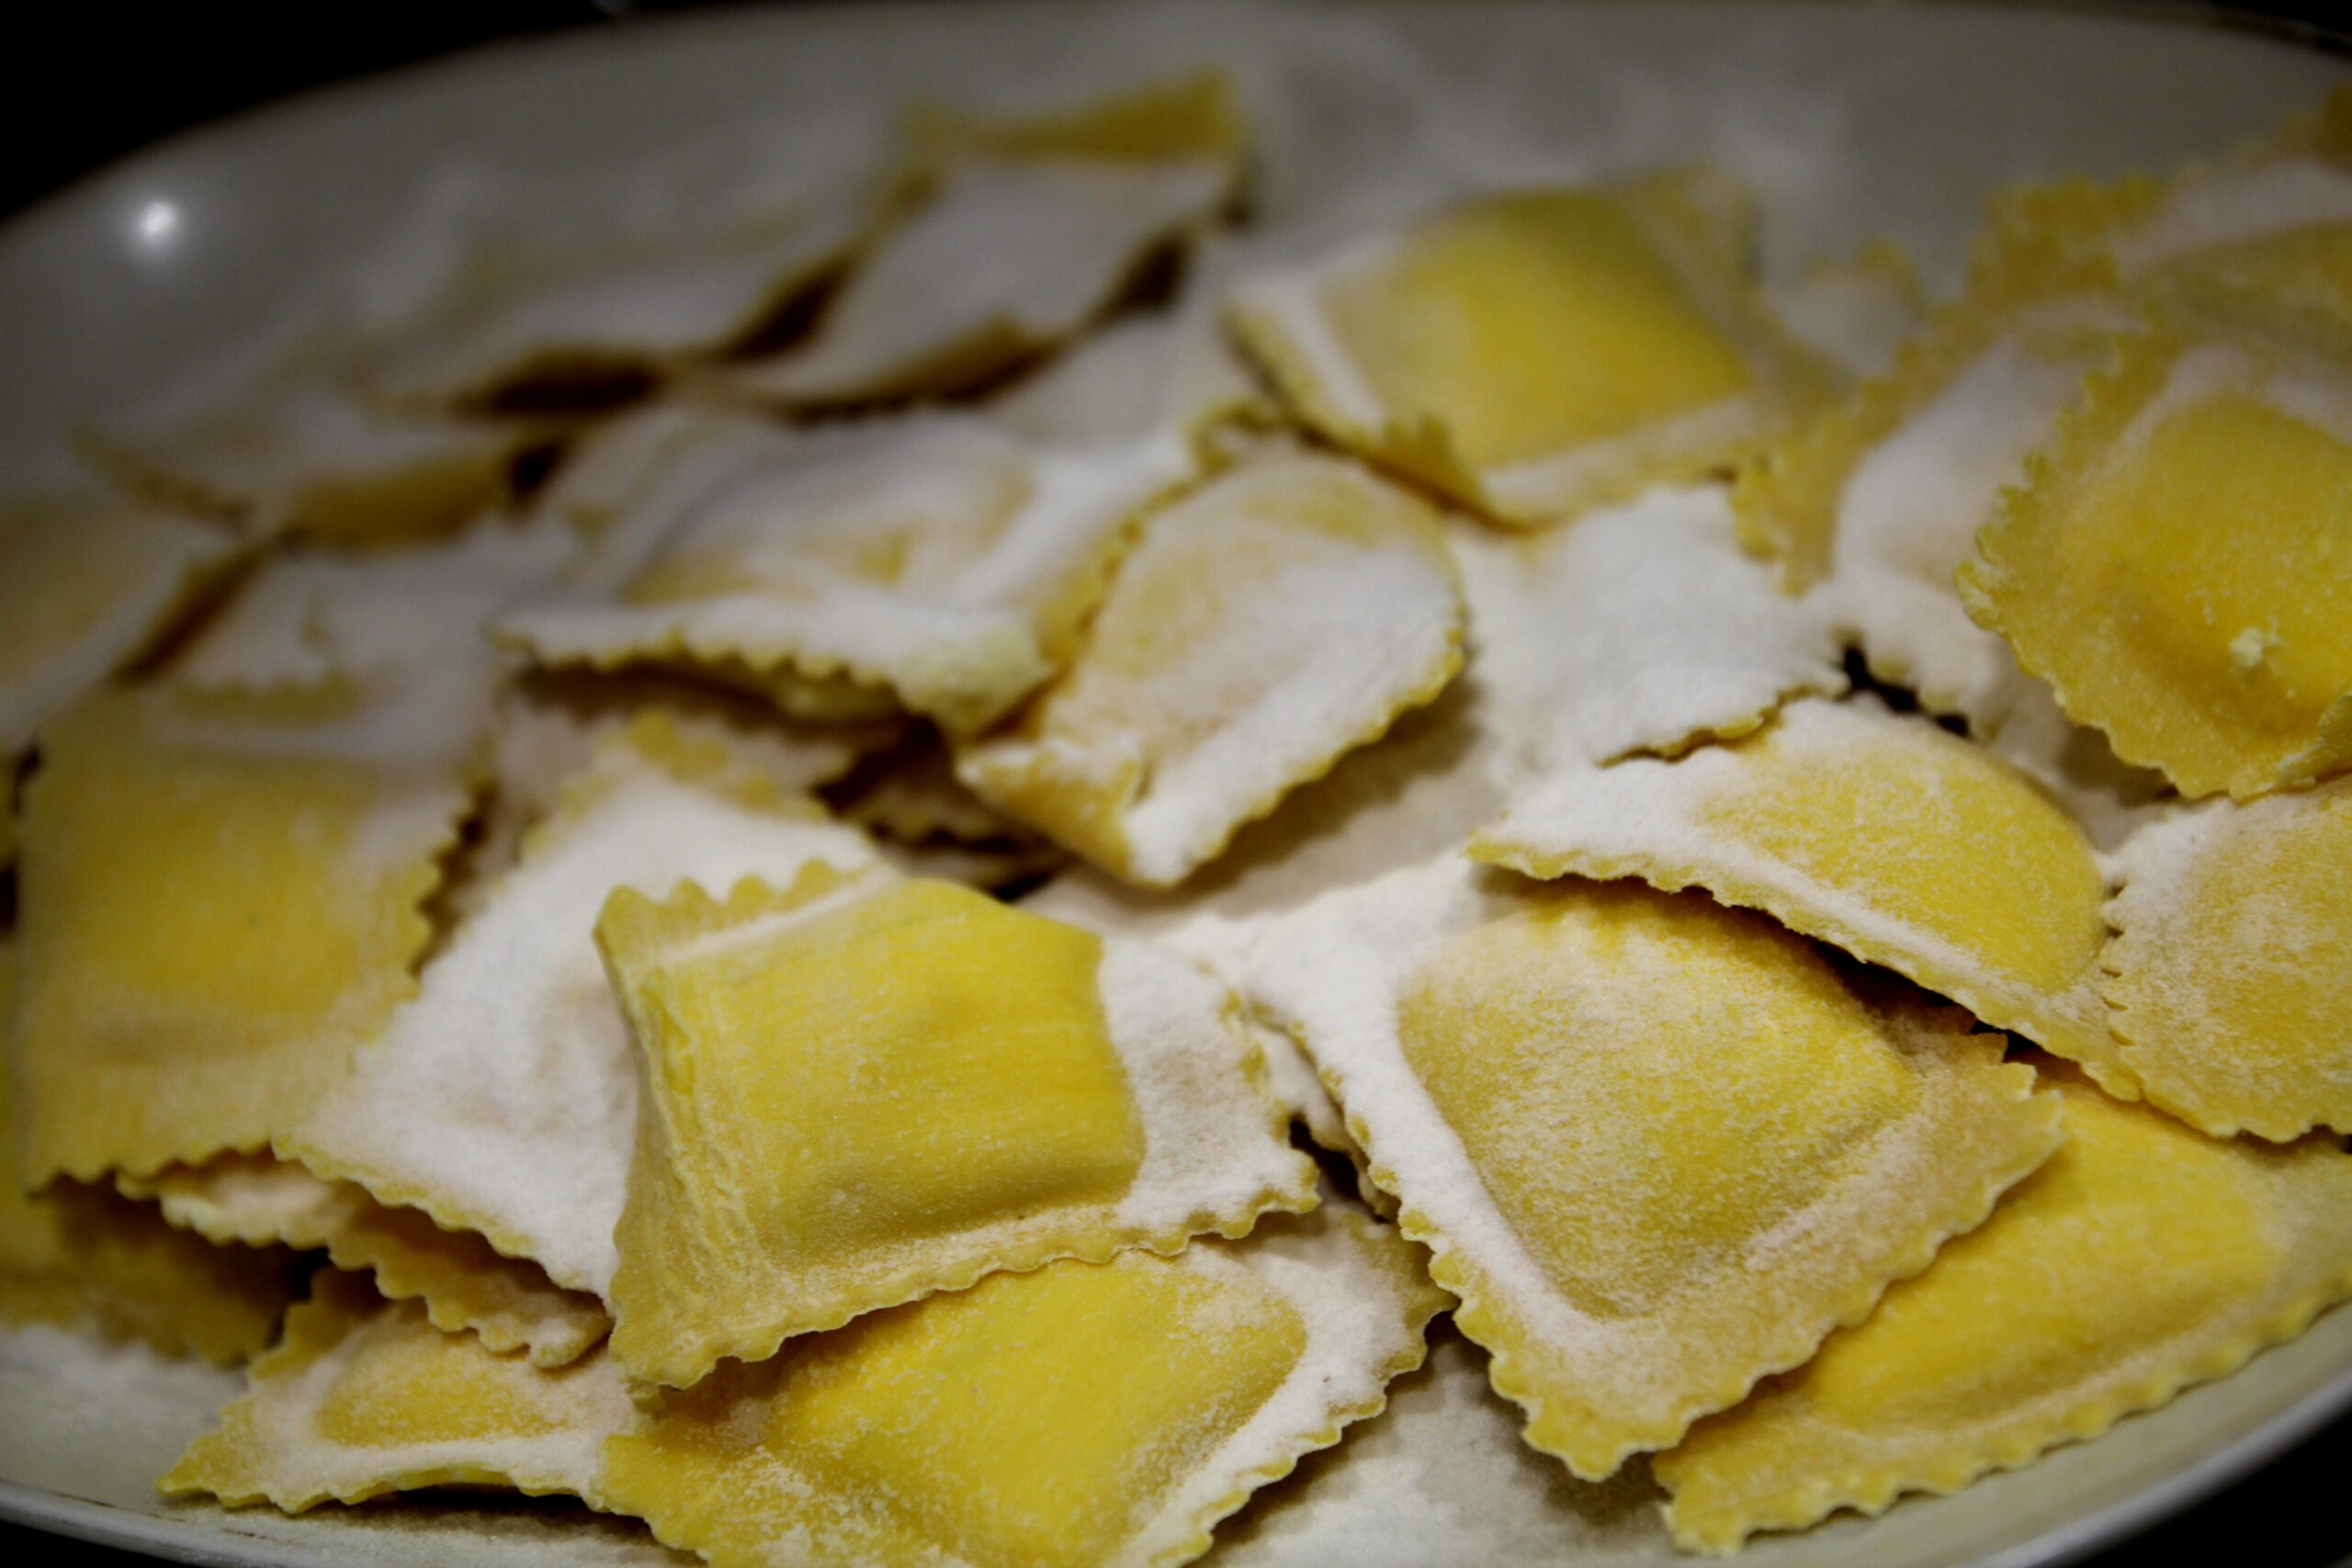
(910,878)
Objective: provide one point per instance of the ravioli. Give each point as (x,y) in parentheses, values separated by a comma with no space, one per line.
(365,1397)
(2180,567)
(502,1099)
(525,316)
(1082,1414)
(221,897)
(1536,352)
(860,1090)
(2226,971)
(1020,233)
(2142,1259)
(1875,504)
(1658,1147)
(308,617)
(931,559)
(1281,615)
(1880,833)
(74,1256)
(284,445)
(1642,628)
(1135,378)
(255,1201)
(88,583)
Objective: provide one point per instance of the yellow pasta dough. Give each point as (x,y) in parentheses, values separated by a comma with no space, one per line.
(1083,1416)
(1019,231)
(74,1256)
(502,1099)
(221,897)
(1281,615)
(931,559)
(1659,1148)
(254,1199)
(86,585)
(1535,352)
(2178,565)
(2143,1258)
(1880,833)
(861,1090)
(367,1397)
(2226,973)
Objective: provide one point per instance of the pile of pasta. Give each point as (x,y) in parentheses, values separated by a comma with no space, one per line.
(911,883)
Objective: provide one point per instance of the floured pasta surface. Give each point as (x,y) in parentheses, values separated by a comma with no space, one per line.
(1277,616)
(520,317)
(502,1099)
(1879,832)
(85,585)
(1877,502)
(2177,565)
(1659,1148)
(2226,971)
(2142,1259)
(1082,1415)
(221,897)
(1642,628)
(367,1397)
(861,1090)
(932,559)
(309,616)
(255,1201)
(1537,351)
(285,445)
(1020,233)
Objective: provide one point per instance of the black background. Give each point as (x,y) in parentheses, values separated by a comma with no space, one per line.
(87,83)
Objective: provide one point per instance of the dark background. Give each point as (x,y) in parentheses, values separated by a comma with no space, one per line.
(94,81)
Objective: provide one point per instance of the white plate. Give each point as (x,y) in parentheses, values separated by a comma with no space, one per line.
(1849,120)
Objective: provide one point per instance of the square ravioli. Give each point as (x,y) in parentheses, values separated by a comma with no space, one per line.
(1282,614)
(929,557)
(306,616)
(221,894)
(75,1255)
(1876,503)
(1534,352)
(1877,832)
(365,1397)
(2175,564)
(530,317)
(1015,234)
(87,584)
(502,1099)
(283,443)
(1659,1148)
(1642,628)
(1084,1416)
(2226,971)
(860,1090)
(2143,1258)
(256,1199)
